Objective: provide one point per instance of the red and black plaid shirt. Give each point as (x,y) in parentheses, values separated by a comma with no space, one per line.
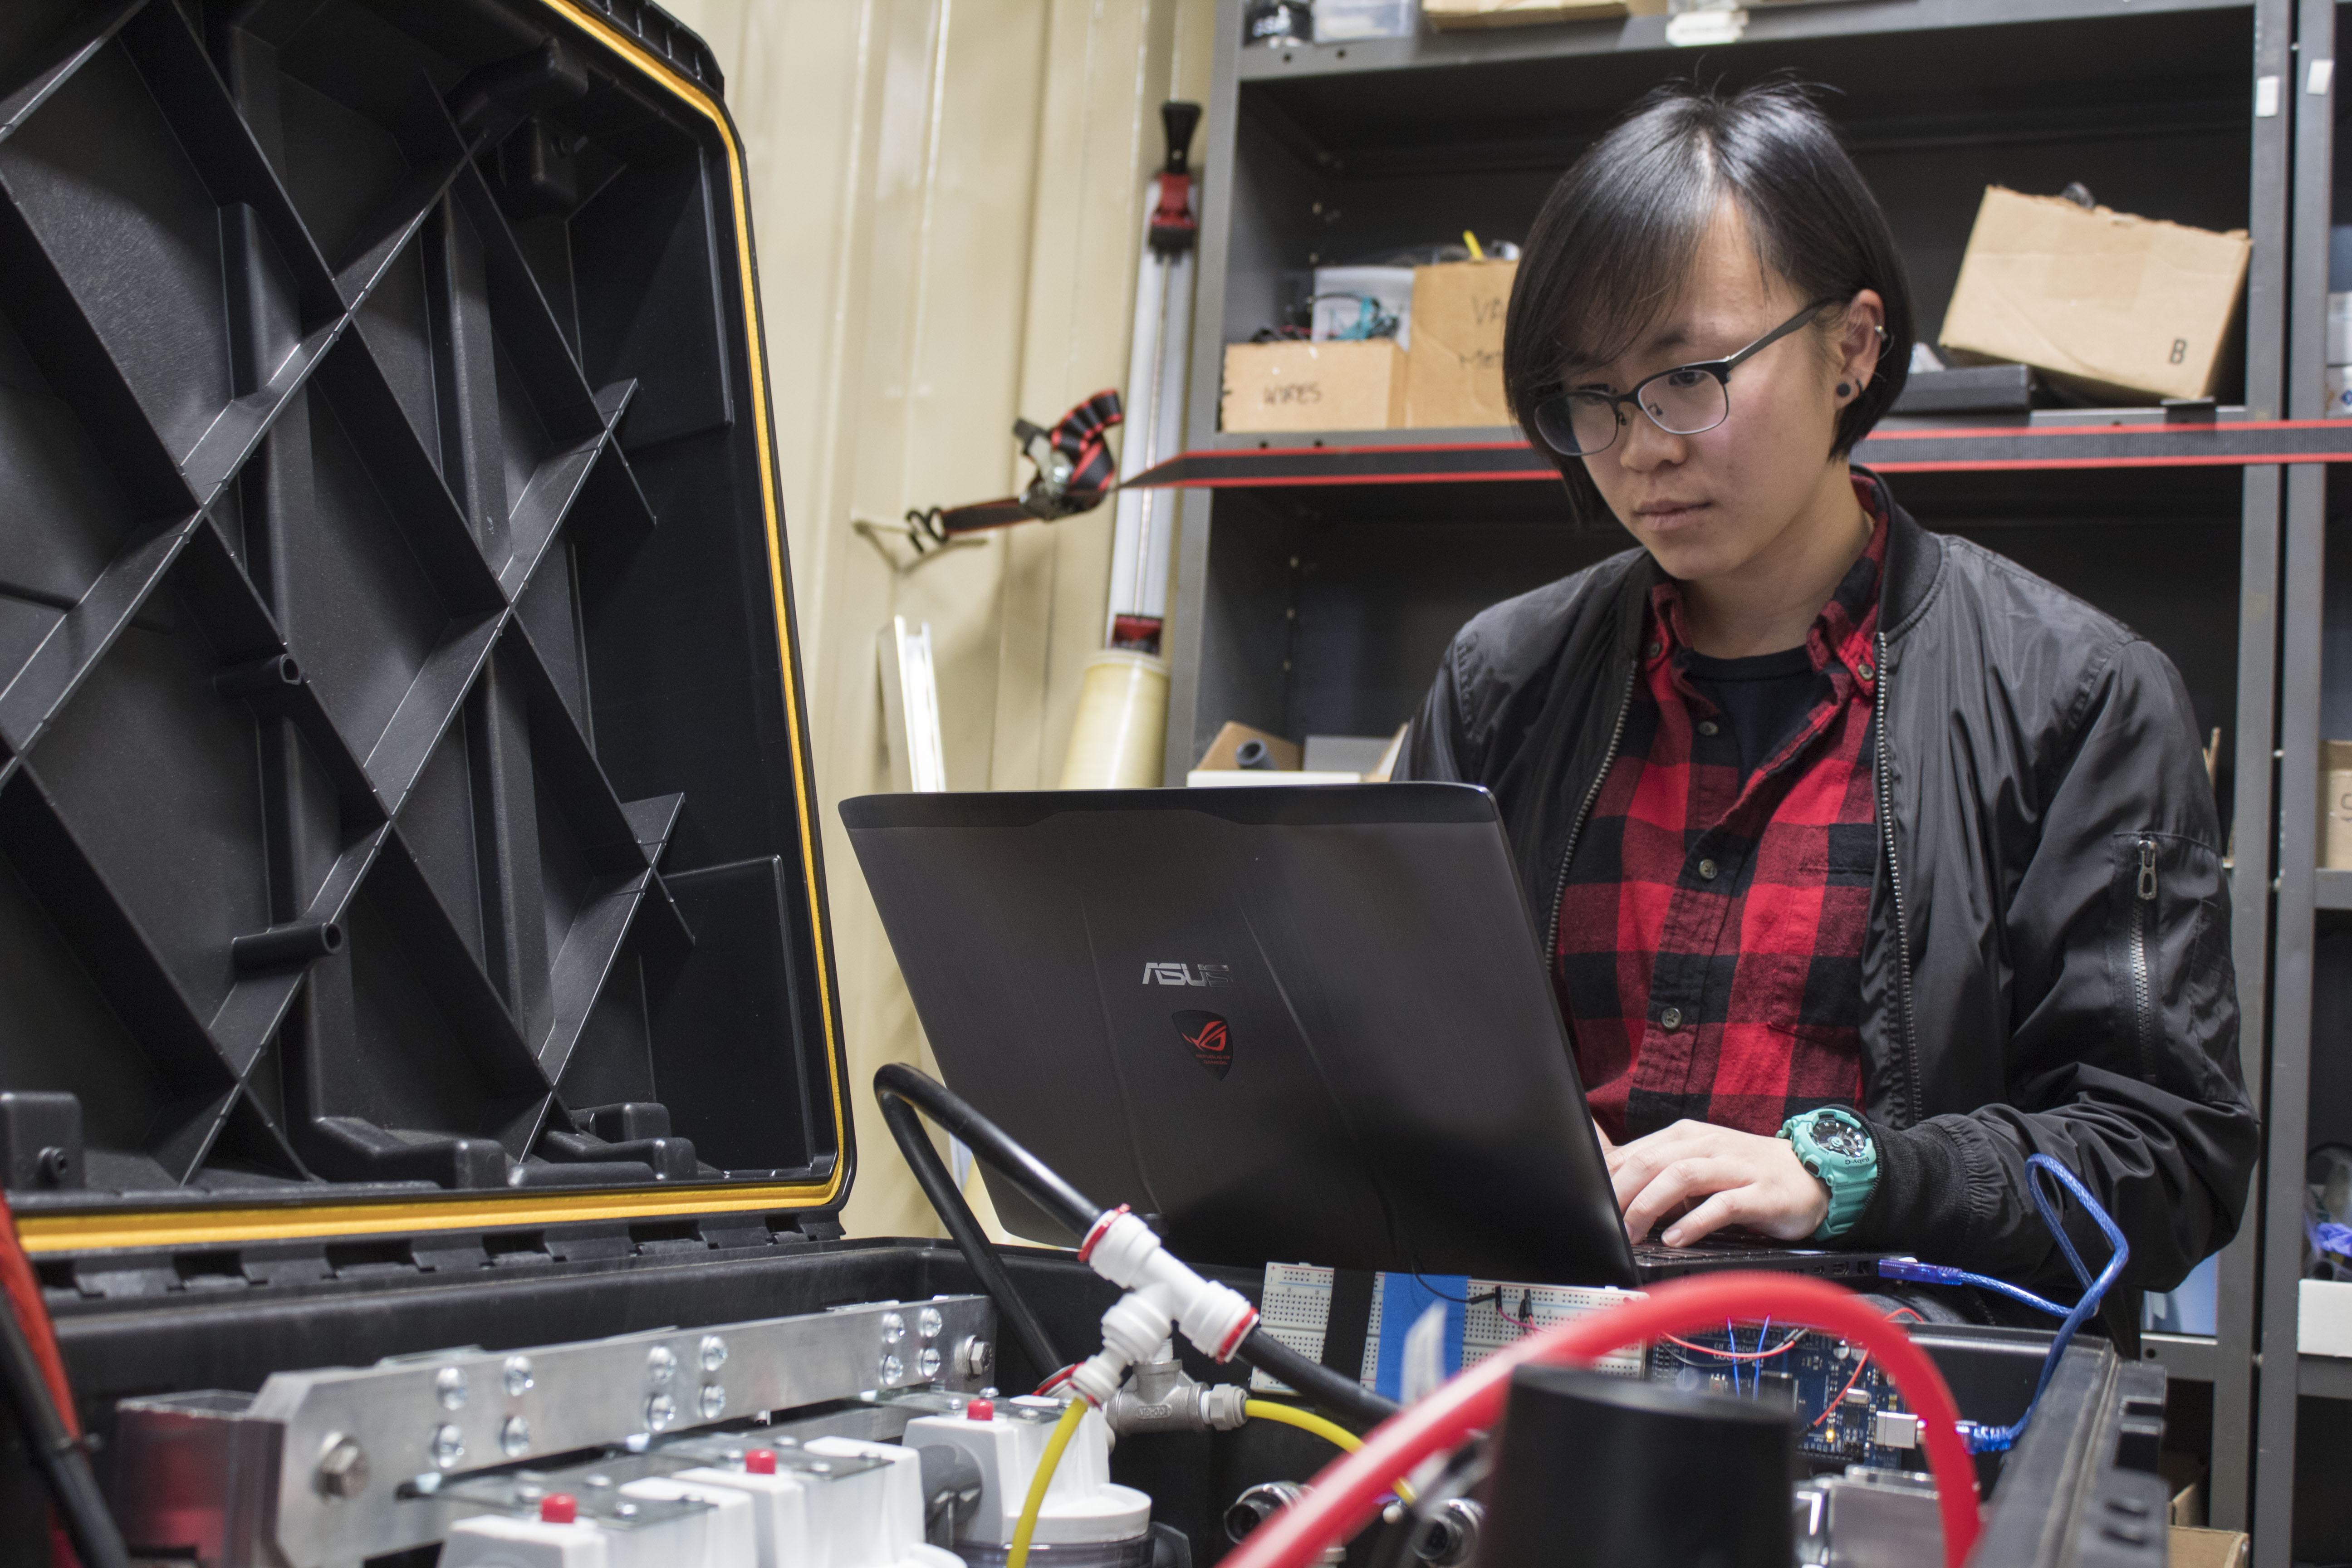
(1710,933)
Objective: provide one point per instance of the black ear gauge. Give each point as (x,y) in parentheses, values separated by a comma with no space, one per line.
(1844,388)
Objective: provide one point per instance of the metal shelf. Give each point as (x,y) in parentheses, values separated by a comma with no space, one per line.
(2186,1358)
(2323,1376)
(1499,456)
(1573,40)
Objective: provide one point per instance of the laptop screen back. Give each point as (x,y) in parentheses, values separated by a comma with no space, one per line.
(1293,1023)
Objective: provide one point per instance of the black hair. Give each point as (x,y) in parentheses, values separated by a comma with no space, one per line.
(1618,233)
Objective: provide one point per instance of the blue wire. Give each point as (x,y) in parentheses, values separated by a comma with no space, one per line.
(1913,1271)
(1983,1439)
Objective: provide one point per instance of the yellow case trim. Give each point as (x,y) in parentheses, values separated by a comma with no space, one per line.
(47,1233)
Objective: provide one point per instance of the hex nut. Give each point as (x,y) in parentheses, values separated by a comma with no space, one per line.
(343,1473)
(975,1357)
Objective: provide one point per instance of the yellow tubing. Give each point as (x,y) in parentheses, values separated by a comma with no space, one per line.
(1308,1421)
(1305,1420)
(1064,1430)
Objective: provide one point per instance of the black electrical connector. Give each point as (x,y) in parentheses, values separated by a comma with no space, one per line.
(898,1087)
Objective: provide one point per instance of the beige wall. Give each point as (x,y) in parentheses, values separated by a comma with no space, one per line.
(947,199)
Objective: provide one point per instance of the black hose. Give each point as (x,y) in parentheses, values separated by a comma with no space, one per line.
(1339,1394)
(1020,1320)
(894,1082)
(1068,1206)
(96,1539)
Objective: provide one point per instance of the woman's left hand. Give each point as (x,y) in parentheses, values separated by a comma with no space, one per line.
(1722,1177)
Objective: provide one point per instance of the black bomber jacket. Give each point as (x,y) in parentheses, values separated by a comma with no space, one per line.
(2046,968)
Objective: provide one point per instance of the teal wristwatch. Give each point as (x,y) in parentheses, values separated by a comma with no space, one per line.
(1842,1154)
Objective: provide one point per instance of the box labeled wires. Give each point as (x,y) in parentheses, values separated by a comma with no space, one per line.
(1458,343)
(1333,385)
(2125,307)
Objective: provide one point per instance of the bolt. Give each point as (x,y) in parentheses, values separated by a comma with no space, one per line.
(974,1358)
(894,1328)
(927,1322)
(713,1403)
(660,1411)
(928,1363)
(448,1446)
(449,1387)
(893,1369)
(714,1353)
(661,1365)
(518,1377)
(343,1473)
(514,1437)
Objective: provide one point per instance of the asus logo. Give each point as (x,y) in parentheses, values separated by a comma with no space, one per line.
(1188,974)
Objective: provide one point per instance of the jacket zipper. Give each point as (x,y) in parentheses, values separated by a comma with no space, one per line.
(2142,971)
(1576,829)
(1907,1020)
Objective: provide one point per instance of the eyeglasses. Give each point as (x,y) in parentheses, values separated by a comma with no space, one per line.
(1687,400)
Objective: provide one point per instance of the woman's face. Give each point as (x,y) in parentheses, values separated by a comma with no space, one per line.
(1710,505)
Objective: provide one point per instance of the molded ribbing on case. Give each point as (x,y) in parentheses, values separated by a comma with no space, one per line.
(46,680)
(68,53)
(330,528)
(233,166)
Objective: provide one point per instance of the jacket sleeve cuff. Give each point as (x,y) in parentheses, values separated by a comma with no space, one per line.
(1916,1166)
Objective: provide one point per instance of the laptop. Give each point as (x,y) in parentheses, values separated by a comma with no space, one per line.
(1286,1023)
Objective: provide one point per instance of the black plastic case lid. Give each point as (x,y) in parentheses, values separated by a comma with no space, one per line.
(406,816)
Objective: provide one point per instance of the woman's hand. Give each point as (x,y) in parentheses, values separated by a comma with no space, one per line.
(1721,1177)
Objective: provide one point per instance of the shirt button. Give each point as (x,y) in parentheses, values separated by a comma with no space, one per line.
(1707,727)
(1671,1019)
(1706,869)
(1656,648)
(1867,669)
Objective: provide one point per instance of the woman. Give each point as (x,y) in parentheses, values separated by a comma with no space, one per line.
(1871,864)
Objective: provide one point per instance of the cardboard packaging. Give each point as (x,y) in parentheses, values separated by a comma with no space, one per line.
(2208,1548)
(1458,343)
(1449,15)
(2120,307)
(1314,386)
(2335,804)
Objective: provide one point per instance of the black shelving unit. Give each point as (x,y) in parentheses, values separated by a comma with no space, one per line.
(1320,576)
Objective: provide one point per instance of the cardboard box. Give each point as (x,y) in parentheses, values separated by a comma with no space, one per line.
(1458,343)
(1294,385)
(2207,1548)
(1219,758)
(2121,308)
(1448,15)
(2335,804)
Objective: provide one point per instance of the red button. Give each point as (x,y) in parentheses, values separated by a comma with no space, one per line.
(980,1410)
(760,1462)
(559,1507)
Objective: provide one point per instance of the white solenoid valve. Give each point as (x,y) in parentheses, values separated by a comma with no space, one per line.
(832,1502)
(1109,1526)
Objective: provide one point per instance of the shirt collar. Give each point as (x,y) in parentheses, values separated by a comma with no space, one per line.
(1840,637)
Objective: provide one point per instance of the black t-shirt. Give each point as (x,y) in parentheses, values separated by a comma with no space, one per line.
(1763,697)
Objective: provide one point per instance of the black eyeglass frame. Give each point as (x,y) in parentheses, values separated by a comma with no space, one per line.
(1720,369)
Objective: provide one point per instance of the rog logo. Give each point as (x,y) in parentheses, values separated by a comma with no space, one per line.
(1212,1043)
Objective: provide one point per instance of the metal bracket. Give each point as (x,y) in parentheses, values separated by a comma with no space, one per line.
(339,1464)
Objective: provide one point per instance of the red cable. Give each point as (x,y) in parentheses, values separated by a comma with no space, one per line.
(22,1288)
(1345,1494)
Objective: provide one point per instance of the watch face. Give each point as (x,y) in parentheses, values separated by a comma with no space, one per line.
(1840,1137)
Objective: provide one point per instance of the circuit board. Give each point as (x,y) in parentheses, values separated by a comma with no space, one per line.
(1845,1407)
